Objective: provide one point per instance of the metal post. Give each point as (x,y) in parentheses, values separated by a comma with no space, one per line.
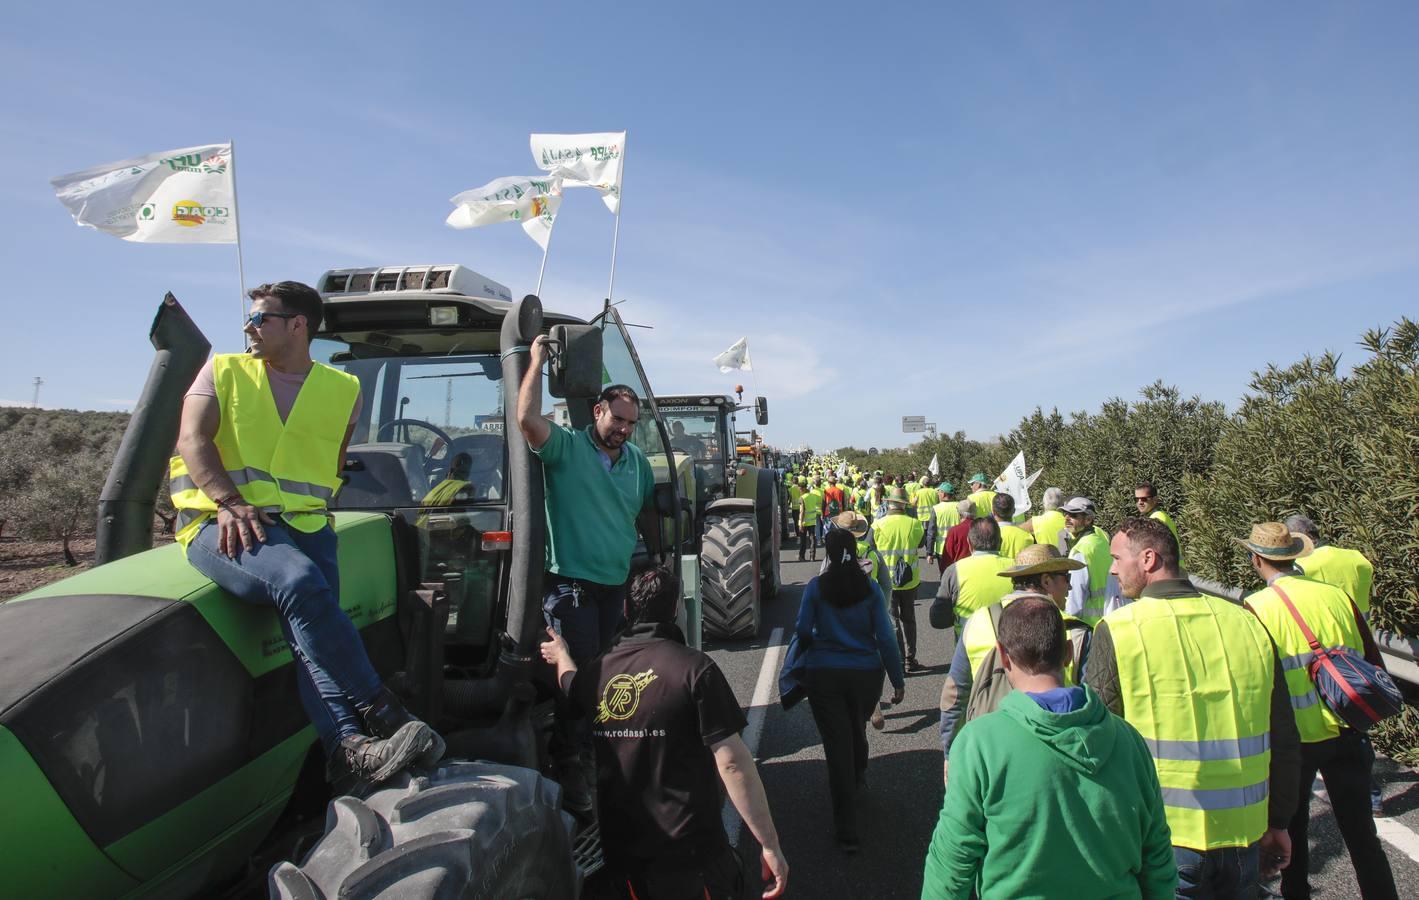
(616,234)
(241,266)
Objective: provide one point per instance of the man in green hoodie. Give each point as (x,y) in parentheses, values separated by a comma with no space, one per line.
(1050,792)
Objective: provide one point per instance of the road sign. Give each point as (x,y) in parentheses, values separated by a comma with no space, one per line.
(915,420)
(913,424)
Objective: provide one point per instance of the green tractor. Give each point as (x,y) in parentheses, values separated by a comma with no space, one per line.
(737,511)
(151,739)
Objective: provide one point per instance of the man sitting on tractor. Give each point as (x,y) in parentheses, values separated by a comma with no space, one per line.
(260,449)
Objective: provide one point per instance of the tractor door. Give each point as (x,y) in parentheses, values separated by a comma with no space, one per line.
(621,365)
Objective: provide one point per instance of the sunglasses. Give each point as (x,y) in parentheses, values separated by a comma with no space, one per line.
(1142,499)
(257,319)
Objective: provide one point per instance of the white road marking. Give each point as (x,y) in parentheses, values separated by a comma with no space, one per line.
(1392,831)
(758,708)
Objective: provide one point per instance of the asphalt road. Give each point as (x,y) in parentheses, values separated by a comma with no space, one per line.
(903,796)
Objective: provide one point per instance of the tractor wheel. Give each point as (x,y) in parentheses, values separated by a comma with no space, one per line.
(464,830)
(769,537)
(729,576)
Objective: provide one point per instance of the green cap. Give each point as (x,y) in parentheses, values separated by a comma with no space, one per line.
(946,487)
(979,478)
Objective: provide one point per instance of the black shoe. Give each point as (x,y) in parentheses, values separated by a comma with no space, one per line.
(372,760)
(914,666)
(386,715)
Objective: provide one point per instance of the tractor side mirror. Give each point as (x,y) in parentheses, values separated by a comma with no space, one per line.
(761,410)
(576,371)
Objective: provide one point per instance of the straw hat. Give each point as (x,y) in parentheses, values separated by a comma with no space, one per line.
(1040,559)
(852,521)
(1271,540)
(898,498)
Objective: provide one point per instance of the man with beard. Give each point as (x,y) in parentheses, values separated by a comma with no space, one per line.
(596,484)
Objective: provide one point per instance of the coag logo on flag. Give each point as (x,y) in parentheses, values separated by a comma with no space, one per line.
(191,214)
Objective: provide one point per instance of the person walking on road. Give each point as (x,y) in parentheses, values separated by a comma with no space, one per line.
(1013,538)
(666,725)
(1047,525)
(1338,752)
(1145,497)
(981,496)
(970,584)
(810,510)
(1347,569)
(945,514)
(262,438)
(1090,589)
(897,537)
(1049,795)
(844,629)
(1199,677)
(958,544)
(1039,571)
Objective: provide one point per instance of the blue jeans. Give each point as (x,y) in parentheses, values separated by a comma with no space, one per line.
(1223,873)
(587,615)
(297,573)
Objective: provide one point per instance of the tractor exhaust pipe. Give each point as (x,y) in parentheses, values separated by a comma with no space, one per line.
(521,326)
(125,524)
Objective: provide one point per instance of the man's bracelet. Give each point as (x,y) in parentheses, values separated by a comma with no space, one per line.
(226,502)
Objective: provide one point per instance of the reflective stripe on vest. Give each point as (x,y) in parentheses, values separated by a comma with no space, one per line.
(1328,612)
(897,538)
(295,477)
(1195,680)
(947,517)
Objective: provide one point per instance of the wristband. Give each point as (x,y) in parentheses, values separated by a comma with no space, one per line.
(226,502)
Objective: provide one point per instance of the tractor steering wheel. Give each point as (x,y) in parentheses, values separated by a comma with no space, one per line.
(444,441)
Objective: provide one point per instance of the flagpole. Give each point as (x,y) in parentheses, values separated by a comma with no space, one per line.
(616,232)
(241,265)
(543,268)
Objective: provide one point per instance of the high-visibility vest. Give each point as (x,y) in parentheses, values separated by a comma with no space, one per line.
(1093,547)
(911,487)
(795,493)
(862,501)
(1162,516)
(1013,539)
(947,517)
(812,507)
(866,551)
(897,538)
(977,583)
(926,498)
(978,635)
(1327,610)
(1195,677)
(1348,570)
(289,467)
(1047,526)
(983,501)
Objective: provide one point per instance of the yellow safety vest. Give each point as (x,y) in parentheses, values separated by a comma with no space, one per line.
(1162,516)
(1195,677)
(867,552)
(1047,526)
(812,507)
(947,517)
(1094,548)
(1348,570)
(978,635)
(1326,609)
(926,498)
(978,583)
(1013,539)
(898,537)
(983,501)
(289,467)
(795,493)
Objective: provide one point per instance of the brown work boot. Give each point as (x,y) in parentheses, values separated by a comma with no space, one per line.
(386,715)
(361,758)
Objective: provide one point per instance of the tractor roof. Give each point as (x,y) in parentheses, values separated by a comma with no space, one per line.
(413,310)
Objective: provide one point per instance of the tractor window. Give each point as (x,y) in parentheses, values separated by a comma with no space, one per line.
(620,366)
(694,433)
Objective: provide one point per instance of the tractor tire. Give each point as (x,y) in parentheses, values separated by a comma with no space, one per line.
(770,540)
(729,576)
(464,830)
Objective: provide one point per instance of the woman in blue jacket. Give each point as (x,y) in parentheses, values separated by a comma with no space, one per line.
(848,639)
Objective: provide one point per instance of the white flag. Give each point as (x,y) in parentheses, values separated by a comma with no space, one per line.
(736,357)
(178,197)
(584,160)
(1016,482)
(529,200)
(934,467)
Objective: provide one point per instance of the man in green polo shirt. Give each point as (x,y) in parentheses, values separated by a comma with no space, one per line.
(597,483)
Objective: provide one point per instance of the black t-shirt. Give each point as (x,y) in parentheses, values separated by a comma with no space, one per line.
(656,708)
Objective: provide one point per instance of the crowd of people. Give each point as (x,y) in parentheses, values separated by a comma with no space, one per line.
(1105,724)
(1106,728)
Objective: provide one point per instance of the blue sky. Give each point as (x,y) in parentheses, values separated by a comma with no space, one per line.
(960,211)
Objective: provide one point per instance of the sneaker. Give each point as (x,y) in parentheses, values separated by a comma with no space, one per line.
(914,666)
(375,760)
(386,715)
(877,720)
